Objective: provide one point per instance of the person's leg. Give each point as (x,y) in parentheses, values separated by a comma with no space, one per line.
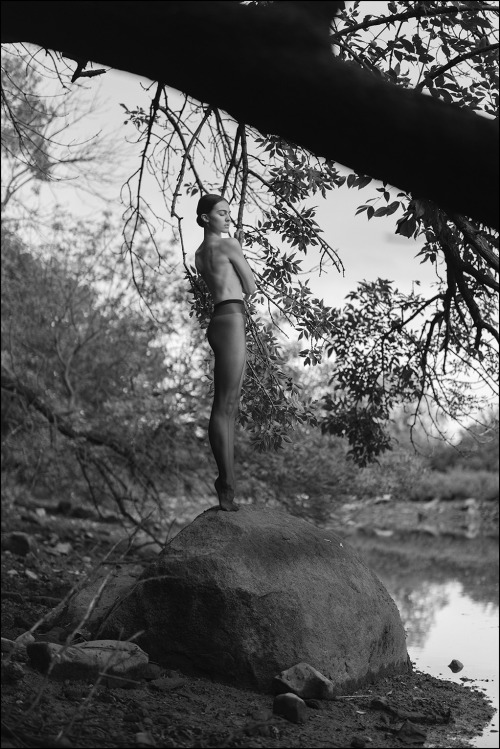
(226,335)
(232,421)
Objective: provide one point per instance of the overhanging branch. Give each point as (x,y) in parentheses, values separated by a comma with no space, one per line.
(272,68)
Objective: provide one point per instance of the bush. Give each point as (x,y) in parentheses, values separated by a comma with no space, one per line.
(456,484)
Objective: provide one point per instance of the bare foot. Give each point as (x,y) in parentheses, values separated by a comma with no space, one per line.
(226,496)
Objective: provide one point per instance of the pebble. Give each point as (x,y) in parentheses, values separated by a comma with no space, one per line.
(358,741)
(12,672)
(291,707)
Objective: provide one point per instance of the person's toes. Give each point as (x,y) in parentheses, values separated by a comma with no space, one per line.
(229,506)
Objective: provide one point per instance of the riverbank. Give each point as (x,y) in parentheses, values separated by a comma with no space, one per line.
(191,712)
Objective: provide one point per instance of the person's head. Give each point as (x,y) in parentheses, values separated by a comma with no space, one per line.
(213,213)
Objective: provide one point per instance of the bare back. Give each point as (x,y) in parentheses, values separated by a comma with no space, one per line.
(215,267)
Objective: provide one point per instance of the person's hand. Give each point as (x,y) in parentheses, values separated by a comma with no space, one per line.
(239,235)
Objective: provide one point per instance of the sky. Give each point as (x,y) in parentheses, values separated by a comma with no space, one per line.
(368,249)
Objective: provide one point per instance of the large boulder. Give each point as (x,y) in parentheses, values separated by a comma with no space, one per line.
(242,596)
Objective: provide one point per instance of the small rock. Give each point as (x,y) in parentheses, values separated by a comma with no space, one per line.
(74,692)
(409,733)
(64,507)
(291,707)
(151,671)
(314,704)
(380,703)
(455,666)
(358,741)
(88,660)
(22,641)
(12,672)
(18,543)
(63,547)
(304,681)
(143,738)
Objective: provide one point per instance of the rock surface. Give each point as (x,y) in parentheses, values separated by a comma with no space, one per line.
(94,601)
(119,661)
(304,681)
(242,596)
(291,707)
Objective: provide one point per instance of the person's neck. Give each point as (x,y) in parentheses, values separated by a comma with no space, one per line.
(211,234)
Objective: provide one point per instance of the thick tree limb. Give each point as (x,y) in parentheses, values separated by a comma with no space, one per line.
(272,67)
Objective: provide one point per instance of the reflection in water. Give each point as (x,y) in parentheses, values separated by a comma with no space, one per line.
(448,614)
(419,607)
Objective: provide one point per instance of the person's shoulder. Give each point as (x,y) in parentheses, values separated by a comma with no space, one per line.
(230,244)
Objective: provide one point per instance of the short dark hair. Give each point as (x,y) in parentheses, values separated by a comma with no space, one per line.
(205,205)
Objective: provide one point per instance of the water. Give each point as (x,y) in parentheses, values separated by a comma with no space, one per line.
(446,615)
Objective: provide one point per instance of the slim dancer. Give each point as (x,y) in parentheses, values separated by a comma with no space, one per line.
(221,264)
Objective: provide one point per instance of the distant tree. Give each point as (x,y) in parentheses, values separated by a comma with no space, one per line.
(94,392)
(477,449)
(37,143)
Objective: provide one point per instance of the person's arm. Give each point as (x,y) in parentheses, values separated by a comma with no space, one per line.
(239,263)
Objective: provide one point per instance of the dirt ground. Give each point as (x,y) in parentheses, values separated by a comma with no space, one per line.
(183,711)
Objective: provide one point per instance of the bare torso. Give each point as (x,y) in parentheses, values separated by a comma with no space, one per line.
(217,271)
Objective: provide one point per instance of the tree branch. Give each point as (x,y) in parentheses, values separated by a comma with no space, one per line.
(244,179)
(33,399)
(274,51)
(417,13)
(454,61)
(475,240)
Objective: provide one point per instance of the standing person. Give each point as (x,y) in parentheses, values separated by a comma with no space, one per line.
(221,264)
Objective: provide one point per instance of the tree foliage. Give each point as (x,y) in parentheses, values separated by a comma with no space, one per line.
(386,347)
(106,399)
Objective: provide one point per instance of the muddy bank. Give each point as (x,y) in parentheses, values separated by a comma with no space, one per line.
(191,712)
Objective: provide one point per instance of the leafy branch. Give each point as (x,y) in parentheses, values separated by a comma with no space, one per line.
(454,61)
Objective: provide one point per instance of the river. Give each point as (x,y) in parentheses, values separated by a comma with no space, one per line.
(449,606)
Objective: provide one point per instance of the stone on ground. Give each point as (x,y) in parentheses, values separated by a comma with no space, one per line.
(242,596)
(304,681)
(121,661)
(291,707)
